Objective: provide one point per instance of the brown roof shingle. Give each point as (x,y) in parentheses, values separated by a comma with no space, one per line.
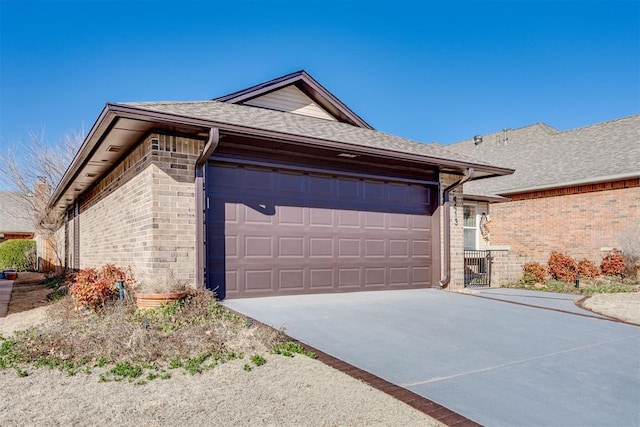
(544,157)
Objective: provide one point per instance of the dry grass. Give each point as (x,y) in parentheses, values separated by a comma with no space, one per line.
(197,328)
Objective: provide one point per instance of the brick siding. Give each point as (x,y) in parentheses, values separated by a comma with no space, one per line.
(577,221)
(142,214)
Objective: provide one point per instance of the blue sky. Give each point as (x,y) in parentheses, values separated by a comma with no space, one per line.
(425,70)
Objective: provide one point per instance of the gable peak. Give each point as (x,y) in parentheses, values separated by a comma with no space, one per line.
(324,102)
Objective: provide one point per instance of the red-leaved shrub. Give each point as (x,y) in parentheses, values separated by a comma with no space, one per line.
(91,287)
(612,264)
(533,273)
(562,267)
(587,269)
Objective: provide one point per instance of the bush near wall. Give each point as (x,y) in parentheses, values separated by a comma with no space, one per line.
(91,288)
(18,254)
(587,269)
(613,264)
(562,267)
(533,273)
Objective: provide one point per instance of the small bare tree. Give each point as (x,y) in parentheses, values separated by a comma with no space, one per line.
(629,245)
(31,169)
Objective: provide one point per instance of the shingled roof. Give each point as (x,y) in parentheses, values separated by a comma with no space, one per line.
(303,126)
(544,157)
(121,125)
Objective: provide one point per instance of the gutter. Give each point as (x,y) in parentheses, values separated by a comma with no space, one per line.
(209,148)
(468,175)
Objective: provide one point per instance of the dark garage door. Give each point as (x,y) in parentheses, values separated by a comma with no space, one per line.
(275,232)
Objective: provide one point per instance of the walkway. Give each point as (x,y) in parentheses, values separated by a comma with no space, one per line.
(6,286)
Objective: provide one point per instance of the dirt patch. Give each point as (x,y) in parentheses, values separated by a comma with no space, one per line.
(28,293)
(623,306)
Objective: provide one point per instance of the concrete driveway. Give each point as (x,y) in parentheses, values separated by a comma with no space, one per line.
(495,362)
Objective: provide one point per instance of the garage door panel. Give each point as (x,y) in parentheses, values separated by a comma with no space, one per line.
(398,221)
(348,247)
(420,223)
(257,280)
(258,246)
(374,220)
(374,277)
(420,275)
(231,278)
(321,217)
(290,215)
(320,247)
(374,248)
(321,278)
(257,214)
(314,233)
(290,183)
(291,280)
(421,248)
(399,276)
(257,181)
(292,247)
(348,189)
(349,278)
(349,218)
(320,187)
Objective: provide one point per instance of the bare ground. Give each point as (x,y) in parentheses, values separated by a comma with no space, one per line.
(624,306)
(283,392)
(28,293)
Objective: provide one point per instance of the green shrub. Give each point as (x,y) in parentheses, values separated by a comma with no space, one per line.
(18,254)
(562,267)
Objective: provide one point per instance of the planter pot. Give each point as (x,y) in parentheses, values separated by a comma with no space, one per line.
(156,300)
(10,275)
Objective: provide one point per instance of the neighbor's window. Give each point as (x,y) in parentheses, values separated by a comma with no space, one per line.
(470,227)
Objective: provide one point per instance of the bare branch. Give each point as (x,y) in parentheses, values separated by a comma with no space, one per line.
(31,169)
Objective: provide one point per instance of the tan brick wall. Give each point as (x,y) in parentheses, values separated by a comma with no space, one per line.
(506,267)
(116,217)
(142,214)
(174,203)
(577,224)
(457,234)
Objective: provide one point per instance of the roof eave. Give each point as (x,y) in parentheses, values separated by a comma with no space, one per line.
(594,180)
(103,121)
(111,113)
(489,170)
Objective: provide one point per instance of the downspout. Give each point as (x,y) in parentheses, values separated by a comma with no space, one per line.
(209,148)
(468,174)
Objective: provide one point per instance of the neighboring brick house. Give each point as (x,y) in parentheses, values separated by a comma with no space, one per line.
(16,219)
(276,189)
(575,191)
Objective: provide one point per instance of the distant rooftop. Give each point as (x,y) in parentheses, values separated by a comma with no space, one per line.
(544,157)
(15,214)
